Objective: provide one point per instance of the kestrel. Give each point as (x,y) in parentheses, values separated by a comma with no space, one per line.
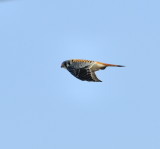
(85,69)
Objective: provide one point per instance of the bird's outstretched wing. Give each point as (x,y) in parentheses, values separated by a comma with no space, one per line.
(84,74)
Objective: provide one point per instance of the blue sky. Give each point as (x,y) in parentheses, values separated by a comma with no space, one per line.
(44,107)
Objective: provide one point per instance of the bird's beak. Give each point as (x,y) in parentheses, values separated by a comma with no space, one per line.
(62,66)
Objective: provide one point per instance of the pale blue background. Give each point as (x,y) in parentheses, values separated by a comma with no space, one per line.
(44,107)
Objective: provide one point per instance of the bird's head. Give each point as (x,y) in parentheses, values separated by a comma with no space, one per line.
(64,65)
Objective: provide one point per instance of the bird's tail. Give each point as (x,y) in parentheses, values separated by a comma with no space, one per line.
(111,65)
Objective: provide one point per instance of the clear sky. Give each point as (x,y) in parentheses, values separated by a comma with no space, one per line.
(44,107)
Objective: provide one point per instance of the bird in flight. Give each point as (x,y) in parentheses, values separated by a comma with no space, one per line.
(85,69)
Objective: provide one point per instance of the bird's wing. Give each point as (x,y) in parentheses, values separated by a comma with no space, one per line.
(84,74)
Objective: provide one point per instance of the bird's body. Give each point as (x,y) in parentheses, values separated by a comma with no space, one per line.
(85,69)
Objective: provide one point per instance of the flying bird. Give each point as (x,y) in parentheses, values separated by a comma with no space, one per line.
(85,69)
